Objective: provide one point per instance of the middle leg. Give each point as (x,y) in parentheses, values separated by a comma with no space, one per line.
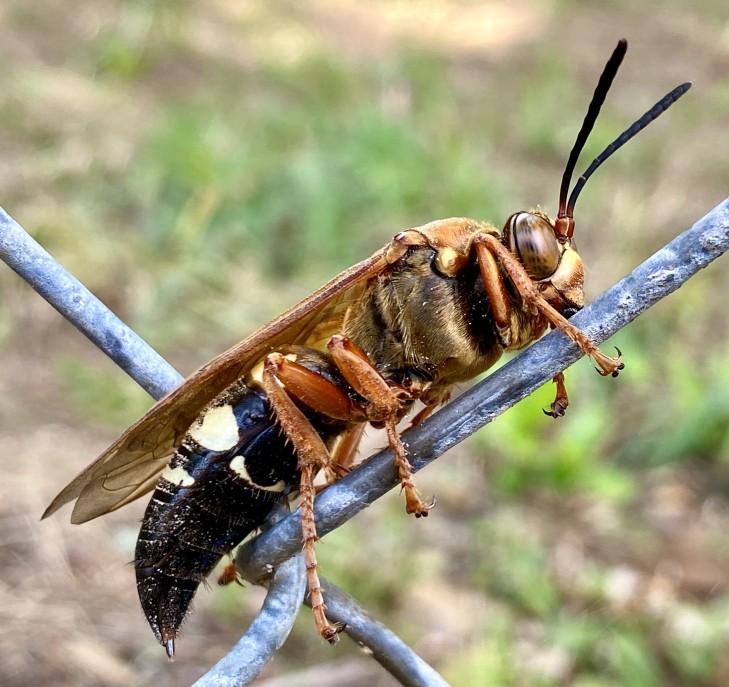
(384,405)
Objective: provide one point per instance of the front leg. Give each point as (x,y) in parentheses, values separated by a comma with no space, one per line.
(488,247)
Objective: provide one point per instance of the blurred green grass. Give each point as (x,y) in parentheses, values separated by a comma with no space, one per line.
(201,195)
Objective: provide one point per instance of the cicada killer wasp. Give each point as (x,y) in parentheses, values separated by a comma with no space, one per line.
(435,307)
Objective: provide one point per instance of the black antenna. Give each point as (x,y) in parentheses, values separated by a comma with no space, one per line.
(659,108)
(598,98)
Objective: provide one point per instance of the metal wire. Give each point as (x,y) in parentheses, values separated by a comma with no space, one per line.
(85,312)
(656,278)
(379,641)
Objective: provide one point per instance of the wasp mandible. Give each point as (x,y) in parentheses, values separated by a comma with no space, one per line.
(433,308)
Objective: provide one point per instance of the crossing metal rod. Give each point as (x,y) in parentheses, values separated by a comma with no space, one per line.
(269,629)
(379,641)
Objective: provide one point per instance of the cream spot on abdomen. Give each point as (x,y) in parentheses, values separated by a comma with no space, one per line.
(238,466)
(217,429)
(178,476)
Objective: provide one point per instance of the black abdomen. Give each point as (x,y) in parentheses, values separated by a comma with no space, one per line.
(233,465)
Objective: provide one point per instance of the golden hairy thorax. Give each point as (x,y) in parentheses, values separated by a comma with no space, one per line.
(427,322)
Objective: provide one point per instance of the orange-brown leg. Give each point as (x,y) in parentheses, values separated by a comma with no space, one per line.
(229,575)
(560,403)
(488,246)
(497,295)
(384,406)
(345,452)
(313,456)
(422,415)
(413,503)
(431,403)
(343,455)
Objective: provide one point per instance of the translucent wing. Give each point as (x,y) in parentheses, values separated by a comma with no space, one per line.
(130,467)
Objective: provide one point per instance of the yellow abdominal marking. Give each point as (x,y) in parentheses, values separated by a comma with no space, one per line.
(178,476)
(217,429)
(238,466)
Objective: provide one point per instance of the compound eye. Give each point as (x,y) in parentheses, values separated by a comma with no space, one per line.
(536,245)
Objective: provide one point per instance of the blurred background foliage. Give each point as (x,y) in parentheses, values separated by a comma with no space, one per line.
(203,165)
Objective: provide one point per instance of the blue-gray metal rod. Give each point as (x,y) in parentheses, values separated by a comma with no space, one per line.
(82,309)
(657,277)
(379,641)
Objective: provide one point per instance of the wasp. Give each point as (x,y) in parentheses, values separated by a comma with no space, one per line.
(433,308)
